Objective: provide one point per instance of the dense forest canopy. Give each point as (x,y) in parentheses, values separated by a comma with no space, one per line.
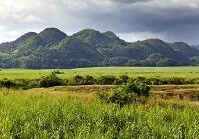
(52,48)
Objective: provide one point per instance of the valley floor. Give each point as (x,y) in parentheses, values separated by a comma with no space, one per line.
(172,111)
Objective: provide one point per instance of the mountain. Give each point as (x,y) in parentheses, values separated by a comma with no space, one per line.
(70,53)
(51,35)
(52,48)
(11,46)
(97,39)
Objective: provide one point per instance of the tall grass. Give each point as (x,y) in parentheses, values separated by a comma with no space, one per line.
(62,116)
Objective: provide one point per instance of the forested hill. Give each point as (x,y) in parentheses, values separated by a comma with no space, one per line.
(52,48)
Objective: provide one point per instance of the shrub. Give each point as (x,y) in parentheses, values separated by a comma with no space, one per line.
(89,80)
(141,79)
(77,80)
(122,79)
(106,80)
(7,83)
(154,81)
(57,72)
(50,81)
(32,84)
(22,83)
(131,92)
(195,81)
(176,81)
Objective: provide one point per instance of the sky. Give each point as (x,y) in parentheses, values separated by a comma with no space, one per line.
(131,20)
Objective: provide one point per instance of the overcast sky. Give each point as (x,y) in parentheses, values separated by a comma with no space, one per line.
(170,20)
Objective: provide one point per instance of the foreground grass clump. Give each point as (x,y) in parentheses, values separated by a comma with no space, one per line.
(62,116)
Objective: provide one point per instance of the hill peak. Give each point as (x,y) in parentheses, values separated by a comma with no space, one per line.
(26,36)
(110,34)
(52,35)
(52,30)
(88,32)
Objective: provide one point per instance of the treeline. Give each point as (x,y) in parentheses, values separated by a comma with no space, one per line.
(53,80)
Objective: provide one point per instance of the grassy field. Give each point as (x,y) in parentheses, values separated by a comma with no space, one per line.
(172,111)
(159,72)
(39,114)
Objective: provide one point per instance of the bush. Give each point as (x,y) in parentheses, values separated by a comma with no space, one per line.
(195,81)
(22,83)
(122,79)
(33,84)
(7,83)
(175,80)
(141,79)
(132,92)
(154,81)
(81,80)
(57,72)
(89,80)
(77,80)
(50,81)
(106,80)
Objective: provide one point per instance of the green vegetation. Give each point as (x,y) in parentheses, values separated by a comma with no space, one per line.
(133,72)
(131,92)
(62,116)
(50,80)
(26,79)
(52,48)
(143,106)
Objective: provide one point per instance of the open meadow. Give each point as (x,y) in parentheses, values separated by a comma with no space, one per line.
(159,72)
(171,111)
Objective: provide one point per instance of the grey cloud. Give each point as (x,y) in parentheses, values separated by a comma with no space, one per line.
(177,21)
(139,18)
(129,1)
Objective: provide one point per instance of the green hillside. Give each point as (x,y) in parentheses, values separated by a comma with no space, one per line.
(52,48)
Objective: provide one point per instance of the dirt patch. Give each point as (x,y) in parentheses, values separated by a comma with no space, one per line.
(182,92)
(86,88)
(179,92)
(173,87)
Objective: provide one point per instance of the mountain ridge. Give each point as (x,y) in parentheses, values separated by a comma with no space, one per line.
(52,48)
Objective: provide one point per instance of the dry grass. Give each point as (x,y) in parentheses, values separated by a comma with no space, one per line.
(161,94)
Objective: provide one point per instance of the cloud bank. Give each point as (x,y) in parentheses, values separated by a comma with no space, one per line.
(170,20)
